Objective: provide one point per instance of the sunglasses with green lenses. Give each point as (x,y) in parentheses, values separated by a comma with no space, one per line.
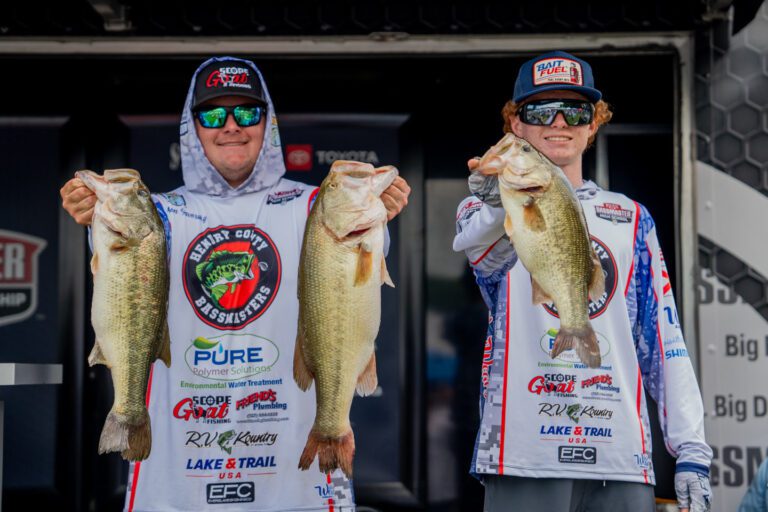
(216,116)
(544,112)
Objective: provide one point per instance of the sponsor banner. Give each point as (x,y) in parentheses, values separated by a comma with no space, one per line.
(613,212)
(227,440)
(210,409)
(575,411)
(18,275)
(575,431)
(229,492)
(298,157)
(557,70)
(734,363)
(577,454)
(553,384)
(231,463)
(284,196)
(231,357)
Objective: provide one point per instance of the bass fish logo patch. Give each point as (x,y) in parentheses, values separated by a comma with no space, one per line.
(231,275)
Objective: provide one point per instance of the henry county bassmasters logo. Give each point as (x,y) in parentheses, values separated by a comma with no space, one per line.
(230,357)
(231,275)
(18,275)
(613,212)
(597,306)
(547,342)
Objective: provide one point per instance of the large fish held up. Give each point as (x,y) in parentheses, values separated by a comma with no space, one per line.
(130,302)
(546,225)
(341,271)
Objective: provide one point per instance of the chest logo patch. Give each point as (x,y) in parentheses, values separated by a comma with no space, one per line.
(613,212)
(597,306)
(231,275)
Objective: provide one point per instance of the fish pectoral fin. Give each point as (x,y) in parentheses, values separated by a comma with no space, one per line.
(364,269)
(95,263)
(301,373)
(539,296)
(164,350)
(508,226)
(533,217)
(96,356)
(367,382)
(385,278)
(218,291)
(597,283)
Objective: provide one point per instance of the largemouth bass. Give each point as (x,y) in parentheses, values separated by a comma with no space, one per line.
(341,271)
(546,225)
(130,301)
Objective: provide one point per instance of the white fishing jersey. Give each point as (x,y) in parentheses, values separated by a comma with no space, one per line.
(228,421)
(558,418)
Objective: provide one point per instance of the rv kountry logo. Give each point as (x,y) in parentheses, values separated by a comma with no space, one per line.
(231,275)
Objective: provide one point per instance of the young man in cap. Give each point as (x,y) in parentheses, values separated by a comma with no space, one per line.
(233,353)
(563,448)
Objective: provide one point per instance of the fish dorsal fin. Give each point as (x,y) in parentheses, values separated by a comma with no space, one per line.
(597,282)
(367,382)
(539,296)
(301,372)
(164,349)
(97,356)
(385,278)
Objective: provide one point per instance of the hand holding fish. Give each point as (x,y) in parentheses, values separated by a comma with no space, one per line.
(395,197)
(78,200)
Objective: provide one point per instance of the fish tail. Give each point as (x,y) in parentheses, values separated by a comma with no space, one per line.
(332,453)
(132,440)
(583,341)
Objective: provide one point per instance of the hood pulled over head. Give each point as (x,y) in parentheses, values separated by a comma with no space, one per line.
(200,175)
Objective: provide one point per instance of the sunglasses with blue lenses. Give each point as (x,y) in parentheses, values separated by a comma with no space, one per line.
(216,116)
(544,112)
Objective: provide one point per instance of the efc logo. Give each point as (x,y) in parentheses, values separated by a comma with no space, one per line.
(577,455)
(230,492)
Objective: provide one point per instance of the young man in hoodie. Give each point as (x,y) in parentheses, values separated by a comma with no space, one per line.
(557,435)
(233,353)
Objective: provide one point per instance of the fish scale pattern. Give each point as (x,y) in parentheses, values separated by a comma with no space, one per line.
(731,98)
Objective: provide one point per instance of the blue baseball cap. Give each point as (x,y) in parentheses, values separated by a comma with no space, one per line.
(555,71)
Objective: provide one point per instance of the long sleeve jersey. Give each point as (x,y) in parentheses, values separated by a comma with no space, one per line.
(558,418)
(228,421)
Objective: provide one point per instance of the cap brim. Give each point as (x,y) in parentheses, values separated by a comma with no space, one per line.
(225,92)
(591,94)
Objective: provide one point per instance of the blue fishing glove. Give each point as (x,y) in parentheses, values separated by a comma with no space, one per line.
(692,491)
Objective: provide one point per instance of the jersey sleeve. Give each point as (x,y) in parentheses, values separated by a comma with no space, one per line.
(480,234)
(661,351)
(166,224)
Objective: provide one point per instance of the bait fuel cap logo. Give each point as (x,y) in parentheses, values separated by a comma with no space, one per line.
(18,275)
(231,275)
(597,305)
